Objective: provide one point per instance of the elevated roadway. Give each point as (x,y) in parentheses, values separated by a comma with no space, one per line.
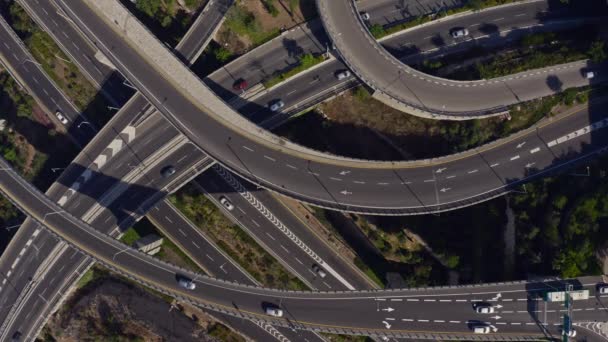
(432,312)
(83,201)
(417,93)
(411,46)
(332,181)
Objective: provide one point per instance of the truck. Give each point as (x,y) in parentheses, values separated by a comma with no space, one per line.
(560,296)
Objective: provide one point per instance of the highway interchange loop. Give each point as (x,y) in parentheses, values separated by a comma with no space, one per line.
(311,176)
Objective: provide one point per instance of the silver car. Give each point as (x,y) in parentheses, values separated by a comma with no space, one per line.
(61,118)
(277,105)
(275,312)
(340,75)
(319,271)
(459,32)
(186,283)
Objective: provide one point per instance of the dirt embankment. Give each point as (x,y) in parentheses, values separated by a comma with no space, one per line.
(114,310)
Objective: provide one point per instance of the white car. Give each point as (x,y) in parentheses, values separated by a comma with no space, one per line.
(481,329)
(226,203)
(340,75)
(275,312)
(589,75)
(186,283)
(319,271)
(459,32)
(484,309)
(602,289)
(277,105)
(61,118)
(364,15)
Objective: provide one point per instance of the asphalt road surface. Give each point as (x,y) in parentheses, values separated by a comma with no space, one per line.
(363,186)
(403,86)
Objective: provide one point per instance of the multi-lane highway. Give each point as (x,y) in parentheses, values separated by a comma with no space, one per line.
(417,93)
(29,73)
(332,181)
(440,311)
(85,201)
(424,320)
(410,46)
(78,49)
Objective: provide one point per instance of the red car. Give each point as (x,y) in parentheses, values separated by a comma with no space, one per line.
(240,84)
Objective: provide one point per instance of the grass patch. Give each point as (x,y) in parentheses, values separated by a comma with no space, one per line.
(130,236)
(88,277)
(305,62)
(233,240)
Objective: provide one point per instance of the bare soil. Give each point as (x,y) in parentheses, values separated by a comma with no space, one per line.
(111,309)
(286,19)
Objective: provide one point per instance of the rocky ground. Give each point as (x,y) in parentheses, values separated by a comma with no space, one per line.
(112,310)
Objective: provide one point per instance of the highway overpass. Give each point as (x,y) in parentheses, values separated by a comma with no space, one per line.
(325,180)
(437,313)
(417,93)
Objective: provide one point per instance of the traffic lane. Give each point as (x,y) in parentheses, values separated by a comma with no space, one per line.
(99,221)
(215,138)
(416,88)
(24,274)
(72,43)
(129,160)
(309,237)
(216,262)
(45,292)
(205,253)
(97,153)
(204,25)
(146,190)
(421,46)
(437,35)
(295,90)
(41,86)
(384,12)
(264,232)
(281,54)
(163,274)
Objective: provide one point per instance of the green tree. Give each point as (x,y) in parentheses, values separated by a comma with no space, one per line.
(222,54)
(597,51)
(377,31)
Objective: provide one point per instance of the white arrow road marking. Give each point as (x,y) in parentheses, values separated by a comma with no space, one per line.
(529,165)
(386,324)
(496,298)
(345,192)
(498,306)
(389,309)
(520,145)
(344,173)
(494,329)
(441,169)
(496,317)
(445,189)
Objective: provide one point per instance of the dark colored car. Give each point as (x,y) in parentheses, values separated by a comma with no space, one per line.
(167,171)
(240,84)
